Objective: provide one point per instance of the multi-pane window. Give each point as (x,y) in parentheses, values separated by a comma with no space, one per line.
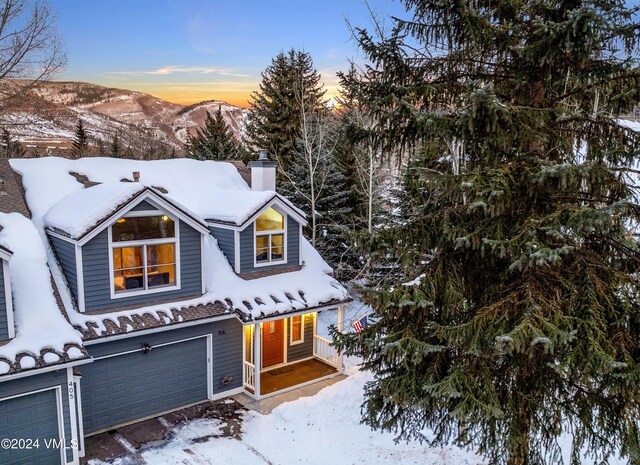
(143,253)
(270,238)
(296,324)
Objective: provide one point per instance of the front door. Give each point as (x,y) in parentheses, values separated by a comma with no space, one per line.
(272,343)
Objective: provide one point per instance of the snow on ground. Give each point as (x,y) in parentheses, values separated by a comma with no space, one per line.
(326,428)
(318,430)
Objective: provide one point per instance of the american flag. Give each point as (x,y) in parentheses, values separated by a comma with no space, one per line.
(360,324)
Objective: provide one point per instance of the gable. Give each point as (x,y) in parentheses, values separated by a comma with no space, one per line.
(78,218)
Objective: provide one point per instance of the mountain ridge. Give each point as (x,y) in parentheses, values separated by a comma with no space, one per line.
(45,116)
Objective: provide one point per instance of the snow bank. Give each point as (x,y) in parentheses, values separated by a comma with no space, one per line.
(39,323)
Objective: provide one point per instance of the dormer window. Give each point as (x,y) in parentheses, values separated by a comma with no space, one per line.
(270,238)
(143,254)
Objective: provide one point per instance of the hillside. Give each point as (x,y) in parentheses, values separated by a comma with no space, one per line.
(46,117)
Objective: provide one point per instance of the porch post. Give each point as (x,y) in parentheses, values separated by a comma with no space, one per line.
(340,328)
(257,358)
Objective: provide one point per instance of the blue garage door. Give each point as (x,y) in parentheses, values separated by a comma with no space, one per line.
(127,387)
(30,417)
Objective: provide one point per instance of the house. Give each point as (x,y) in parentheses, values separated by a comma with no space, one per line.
(133,288)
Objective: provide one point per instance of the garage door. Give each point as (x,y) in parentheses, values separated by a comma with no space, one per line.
(127,387)
(29,417)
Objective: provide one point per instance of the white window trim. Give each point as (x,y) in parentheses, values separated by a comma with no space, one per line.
(291,341)
(257,264)
(115,245)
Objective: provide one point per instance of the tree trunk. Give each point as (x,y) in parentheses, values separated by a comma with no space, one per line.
(520,428)
(370,210)
(313,211)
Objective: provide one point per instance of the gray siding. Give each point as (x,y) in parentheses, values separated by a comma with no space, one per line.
(97,282)
(227,355)
(304,349)
(226,242)
(4,328)
(134,385)
(247,247)
(144,206)
(166,377)
(66,253)
(9,421)
(227,348)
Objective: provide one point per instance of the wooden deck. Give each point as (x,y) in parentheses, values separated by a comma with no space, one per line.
(293,374)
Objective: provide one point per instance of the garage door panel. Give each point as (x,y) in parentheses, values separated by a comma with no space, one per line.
(126,387)
(31,416)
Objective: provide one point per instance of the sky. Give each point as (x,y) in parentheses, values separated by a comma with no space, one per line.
(187,51)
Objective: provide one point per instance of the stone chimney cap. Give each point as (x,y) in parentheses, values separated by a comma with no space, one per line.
(263,155)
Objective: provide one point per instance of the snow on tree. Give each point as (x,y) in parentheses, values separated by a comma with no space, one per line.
(519,219)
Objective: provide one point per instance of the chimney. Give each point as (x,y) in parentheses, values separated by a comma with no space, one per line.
(136,176)
(263,173)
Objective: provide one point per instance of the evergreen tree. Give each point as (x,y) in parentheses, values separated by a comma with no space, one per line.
(214,141)
(102,150)
(80,144)
(519,225)
(8,147)
(274,121)
(316,184)
(360,154)
(116,147)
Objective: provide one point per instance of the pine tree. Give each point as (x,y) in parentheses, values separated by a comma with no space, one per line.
(102,150)
(8,147)
(116,147)
(214,141)
(274,121)
(316,184)
(80,144)
(5,144)
(519,225)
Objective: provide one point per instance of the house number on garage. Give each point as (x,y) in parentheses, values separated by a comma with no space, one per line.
(72,391)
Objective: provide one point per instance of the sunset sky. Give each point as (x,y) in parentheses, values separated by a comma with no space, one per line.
(189,51)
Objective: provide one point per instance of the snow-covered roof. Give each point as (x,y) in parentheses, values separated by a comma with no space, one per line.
(82,211)
(43,336)
(213,191)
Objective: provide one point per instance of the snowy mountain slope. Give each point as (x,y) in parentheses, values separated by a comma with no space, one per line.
(51,112)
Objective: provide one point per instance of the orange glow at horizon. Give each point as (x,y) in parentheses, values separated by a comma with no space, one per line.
(190,94)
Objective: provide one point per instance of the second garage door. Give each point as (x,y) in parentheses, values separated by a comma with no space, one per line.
(123,388)
(30,417)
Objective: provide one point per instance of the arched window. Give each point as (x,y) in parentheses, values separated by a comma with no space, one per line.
(143,253)
(270,237)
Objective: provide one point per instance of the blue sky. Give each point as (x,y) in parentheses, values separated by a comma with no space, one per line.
(191,50)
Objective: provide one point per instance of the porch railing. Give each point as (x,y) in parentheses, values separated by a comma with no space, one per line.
(323,350)
(249,375)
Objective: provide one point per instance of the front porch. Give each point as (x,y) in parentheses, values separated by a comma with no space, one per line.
(289,354)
